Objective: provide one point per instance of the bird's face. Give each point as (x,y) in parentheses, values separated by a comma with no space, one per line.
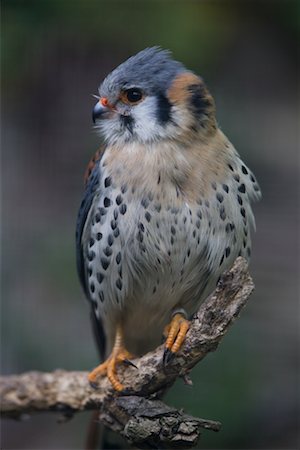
(150,97)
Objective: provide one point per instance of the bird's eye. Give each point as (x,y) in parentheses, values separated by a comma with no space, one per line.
(134,95)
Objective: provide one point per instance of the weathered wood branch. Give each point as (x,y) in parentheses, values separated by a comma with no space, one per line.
(137,413)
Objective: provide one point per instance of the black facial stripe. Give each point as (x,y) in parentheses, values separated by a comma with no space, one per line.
(199,101)
(128,122)
(163,109)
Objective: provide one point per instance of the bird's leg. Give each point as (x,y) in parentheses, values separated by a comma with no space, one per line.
(175,332)
(118,355)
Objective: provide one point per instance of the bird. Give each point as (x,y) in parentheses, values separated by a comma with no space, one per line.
(166,209)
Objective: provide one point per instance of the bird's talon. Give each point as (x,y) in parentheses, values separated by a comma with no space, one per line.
(167,356)
(93,384)
(129,363)
(177,330)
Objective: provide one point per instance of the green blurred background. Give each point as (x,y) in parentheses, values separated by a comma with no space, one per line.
(54,56)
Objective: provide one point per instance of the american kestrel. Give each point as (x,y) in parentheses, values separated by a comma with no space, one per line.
(166,208)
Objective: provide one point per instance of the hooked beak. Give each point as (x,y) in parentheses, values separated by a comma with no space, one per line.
(99,111)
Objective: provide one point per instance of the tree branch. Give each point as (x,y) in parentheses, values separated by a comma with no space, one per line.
(137,413)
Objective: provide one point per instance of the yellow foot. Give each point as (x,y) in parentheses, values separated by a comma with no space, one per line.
(176,332)
(119,355)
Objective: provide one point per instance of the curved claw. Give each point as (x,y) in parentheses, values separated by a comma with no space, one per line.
(176,330)
(167,356)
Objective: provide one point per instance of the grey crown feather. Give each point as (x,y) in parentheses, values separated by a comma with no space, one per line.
(152,69)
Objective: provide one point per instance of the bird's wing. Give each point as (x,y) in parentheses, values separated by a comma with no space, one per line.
(92,180)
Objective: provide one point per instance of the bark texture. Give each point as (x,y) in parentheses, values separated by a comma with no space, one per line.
(137,413)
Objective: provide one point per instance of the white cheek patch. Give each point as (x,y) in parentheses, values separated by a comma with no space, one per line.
(145,125)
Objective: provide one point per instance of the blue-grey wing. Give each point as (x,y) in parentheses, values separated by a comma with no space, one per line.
(92,182)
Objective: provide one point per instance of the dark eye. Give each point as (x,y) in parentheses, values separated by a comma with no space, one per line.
(134,95)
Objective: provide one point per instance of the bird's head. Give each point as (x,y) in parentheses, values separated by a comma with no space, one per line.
(152,97)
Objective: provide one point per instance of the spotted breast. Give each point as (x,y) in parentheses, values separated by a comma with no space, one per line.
(162,226)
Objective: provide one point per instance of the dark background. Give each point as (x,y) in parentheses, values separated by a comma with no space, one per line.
(54,56)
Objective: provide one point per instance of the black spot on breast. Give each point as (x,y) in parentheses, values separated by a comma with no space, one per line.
(118,258)
(249,251)
(100,277)
(227,251)
(107,202)
(221,261)
(231,168)
(101,296)
(116,213)
(92,242)
(91,255)
(222,213)
(173,231)
(243,212)
(123,209)
(147,216)
(145,203)
(236,177)
(141,227)
(107,182)
(140,236)
(157,207)
(198,224)
(252,178)
(110,240)
(199,214)
(107,251)
(104,263)
(119,199)
(240,200)
(242,188)
(99,236)
(116,232)
(92,287)
(229,227)
(102,211)
(214,185)
(123,188)
(220,197)
(225,188)
(119,283)
(244,170)
(97,217)
(163,109)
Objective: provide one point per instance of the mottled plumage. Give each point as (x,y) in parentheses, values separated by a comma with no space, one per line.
(167,202)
